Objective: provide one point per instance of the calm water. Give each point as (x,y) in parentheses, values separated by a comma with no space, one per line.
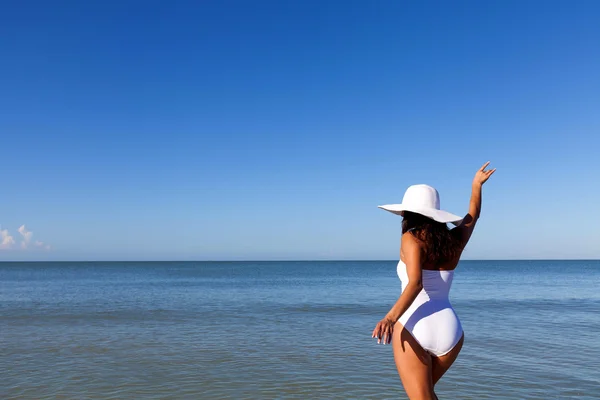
(286,330)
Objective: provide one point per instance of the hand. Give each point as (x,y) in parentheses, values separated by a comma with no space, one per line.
(383,331)
(481,176)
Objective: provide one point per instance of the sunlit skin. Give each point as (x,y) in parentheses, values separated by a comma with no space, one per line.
(418,369)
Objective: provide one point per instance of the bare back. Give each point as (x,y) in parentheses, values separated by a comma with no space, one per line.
(448,265)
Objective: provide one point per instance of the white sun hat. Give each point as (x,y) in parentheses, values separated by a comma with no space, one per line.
(424,200)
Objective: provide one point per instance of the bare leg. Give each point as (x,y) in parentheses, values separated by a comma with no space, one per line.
(414,365)
(441,364)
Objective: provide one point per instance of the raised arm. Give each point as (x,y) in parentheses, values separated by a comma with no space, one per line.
(468,223)
(412,252)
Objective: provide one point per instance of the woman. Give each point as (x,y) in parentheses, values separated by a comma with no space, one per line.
(424,330)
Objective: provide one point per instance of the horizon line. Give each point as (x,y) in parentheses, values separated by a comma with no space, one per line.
(293,260)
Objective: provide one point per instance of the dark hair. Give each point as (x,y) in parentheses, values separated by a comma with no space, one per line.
(441,245)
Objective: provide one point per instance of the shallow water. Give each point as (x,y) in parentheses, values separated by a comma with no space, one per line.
(286,330)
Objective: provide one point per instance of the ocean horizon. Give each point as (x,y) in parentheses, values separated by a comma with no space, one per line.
(280,260)
(286,330)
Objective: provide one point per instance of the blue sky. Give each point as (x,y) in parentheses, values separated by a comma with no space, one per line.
(272,129)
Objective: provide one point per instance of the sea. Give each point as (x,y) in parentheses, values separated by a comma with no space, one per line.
(286,330)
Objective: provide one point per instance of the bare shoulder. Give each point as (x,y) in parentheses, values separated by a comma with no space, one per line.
(411,246)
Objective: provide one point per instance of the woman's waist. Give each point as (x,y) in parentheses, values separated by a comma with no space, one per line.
(433,294)
(424,306)
(439,299)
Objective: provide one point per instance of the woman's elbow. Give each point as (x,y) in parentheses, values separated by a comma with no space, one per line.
(416,285)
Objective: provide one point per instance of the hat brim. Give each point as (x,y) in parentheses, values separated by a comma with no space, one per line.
(433,213)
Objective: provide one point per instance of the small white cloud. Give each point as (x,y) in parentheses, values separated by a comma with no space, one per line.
(6,241)
(26,236)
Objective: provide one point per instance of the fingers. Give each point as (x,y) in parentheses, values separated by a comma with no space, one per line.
(377,332)
(484,166)
(386,334)
(390,332)
(489,173)
(383,332)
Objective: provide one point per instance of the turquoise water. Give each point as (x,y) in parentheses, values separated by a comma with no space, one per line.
(286,330)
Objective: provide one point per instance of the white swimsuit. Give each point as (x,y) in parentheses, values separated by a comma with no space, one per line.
(430,318)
